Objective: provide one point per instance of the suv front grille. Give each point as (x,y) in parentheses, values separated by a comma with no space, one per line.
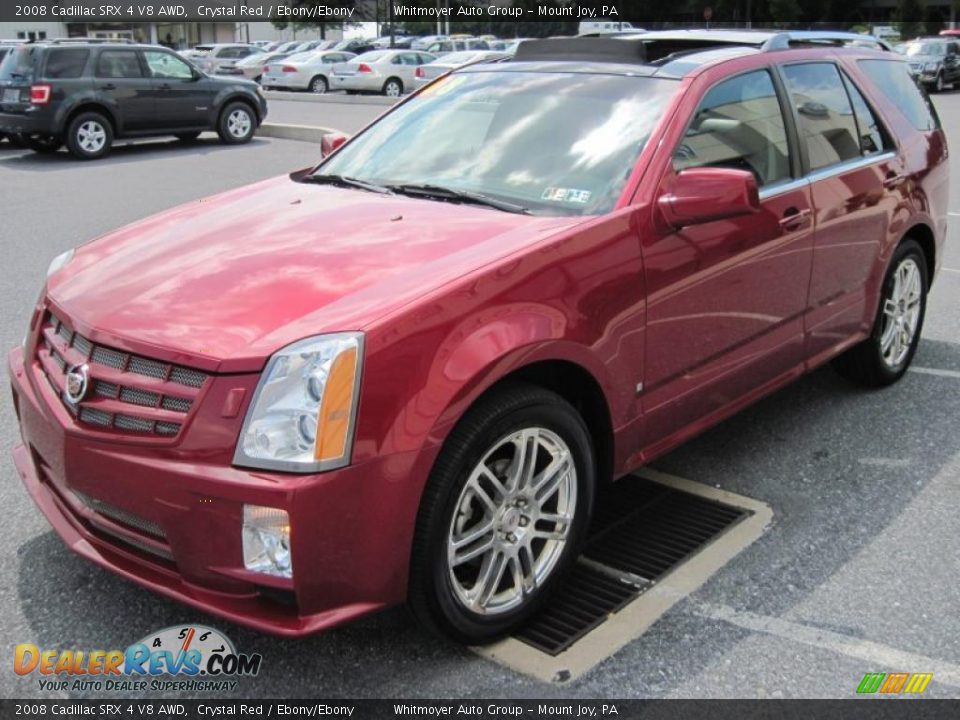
(127,392)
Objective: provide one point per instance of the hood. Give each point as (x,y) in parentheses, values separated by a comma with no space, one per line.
(226,281)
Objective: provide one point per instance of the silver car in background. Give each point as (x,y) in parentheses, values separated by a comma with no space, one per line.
(304,71)
(451,61)
(252,67)
(210,58)
(388,72)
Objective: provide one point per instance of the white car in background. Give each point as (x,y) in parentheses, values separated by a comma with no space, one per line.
(304,71)
(210,58)
(388,72)
(451,61)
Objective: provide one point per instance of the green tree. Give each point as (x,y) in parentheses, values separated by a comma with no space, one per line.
(784,12)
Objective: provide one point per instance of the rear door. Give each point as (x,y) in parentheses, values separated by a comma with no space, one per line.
(854,174)
(726,298)
(183,98)
(121,80)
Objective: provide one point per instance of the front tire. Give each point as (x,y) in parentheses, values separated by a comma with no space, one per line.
(89,136)
(938,84)
(503,515)
(884,357)
(237,124)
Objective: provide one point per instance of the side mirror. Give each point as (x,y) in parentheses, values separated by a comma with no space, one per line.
(702,195)
(330,142)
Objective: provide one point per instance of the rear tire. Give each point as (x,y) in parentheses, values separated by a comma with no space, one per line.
(43,144)
(512,490)
(884,357)
(393,88)
(319,85)
(89,136)
(237,124)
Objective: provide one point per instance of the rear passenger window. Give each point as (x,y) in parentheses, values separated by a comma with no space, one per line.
(66,63)
(827,125)
(873,138)
(739,125)
(119,64)
(895,81)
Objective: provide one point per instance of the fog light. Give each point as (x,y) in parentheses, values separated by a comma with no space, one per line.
(266,540)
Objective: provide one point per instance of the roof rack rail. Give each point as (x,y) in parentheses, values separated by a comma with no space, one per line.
(90,41)
(786,40)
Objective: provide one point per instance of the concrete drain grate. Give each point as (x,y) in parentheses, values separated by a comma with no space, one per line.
(642,530)
(656,538)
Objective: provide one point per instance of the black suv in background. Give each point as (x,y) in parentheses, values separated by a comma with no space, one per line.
(85,94)
(934,61)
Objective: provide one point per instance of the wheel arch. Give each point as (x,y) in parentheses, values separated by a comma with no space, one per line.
(923,234)
(238,97)
(90,106)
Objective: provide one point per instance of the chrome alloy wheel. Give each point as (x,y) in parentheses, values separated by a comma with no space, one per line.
(91,136)
(901,313)
(511,521)
(238,123)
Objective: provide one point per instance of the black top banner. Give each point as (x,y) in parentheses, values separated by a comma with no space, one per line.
(647,13)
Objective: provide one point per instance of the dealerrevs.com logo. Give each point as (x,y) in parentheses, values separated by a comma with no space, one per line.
(178,658)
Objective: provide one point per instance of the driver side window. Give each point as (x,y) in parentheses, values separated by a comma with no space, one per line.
(739,125)
(166,66)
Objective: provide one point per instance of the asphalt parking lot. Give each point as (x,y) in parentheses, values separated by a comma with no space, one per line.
(857,572)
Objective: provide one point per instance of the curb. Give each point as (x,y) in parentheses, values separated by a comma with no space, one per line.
(337,98)
(303,133)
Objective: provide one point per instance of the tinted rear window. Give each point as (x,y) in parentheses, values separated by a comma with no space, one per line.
(65,63)
(18,64)
(895,81)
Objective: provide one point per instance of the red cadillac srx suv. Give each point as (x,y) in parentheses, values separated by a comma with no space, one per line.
(403,374)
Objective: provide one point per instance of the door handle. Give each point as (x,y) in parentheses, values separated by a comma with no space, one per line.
(108,86)
(893,179)
(794,218)
(165,86)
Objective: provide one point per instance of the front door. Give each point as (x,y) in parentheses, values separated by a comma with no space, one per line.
(121,80)
(184,99)
(726,298)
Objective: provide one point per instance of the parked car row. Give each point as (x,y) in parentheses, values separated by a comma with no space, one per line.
(85,95)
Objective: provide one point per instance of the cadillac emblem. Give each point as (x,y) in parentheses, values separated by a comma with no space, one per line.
(78,382)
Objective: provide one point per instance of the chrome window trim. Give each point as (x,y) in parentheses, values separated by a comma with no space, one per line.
(839,168)
(783,187)
(825,173)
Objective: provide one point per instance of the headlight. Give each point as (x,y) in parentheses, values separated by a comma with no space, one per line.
(930,67)
(302,414)
(59,262)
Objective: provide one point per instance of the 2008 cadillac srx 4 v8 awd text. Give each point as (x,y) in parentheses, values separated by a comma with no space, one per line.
(403,374)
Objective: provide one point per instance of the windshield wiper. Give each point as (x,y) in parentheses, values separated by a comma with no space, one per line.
(444,193)
(330,179)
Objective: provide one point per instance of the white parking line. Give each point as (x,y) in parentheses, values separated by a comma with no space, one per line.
(876,654)
(936,371)
(954,214)
(952,270)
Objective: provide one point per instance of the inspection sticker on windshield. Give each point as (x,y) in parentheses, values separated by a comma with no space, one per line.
(570,195)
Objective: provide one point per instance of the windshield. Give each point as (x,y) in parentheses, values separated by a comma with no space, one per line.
(926,48)
(555,143)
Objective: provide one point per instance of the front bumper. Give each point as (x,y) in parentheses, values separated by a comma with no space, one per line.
(350,545)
